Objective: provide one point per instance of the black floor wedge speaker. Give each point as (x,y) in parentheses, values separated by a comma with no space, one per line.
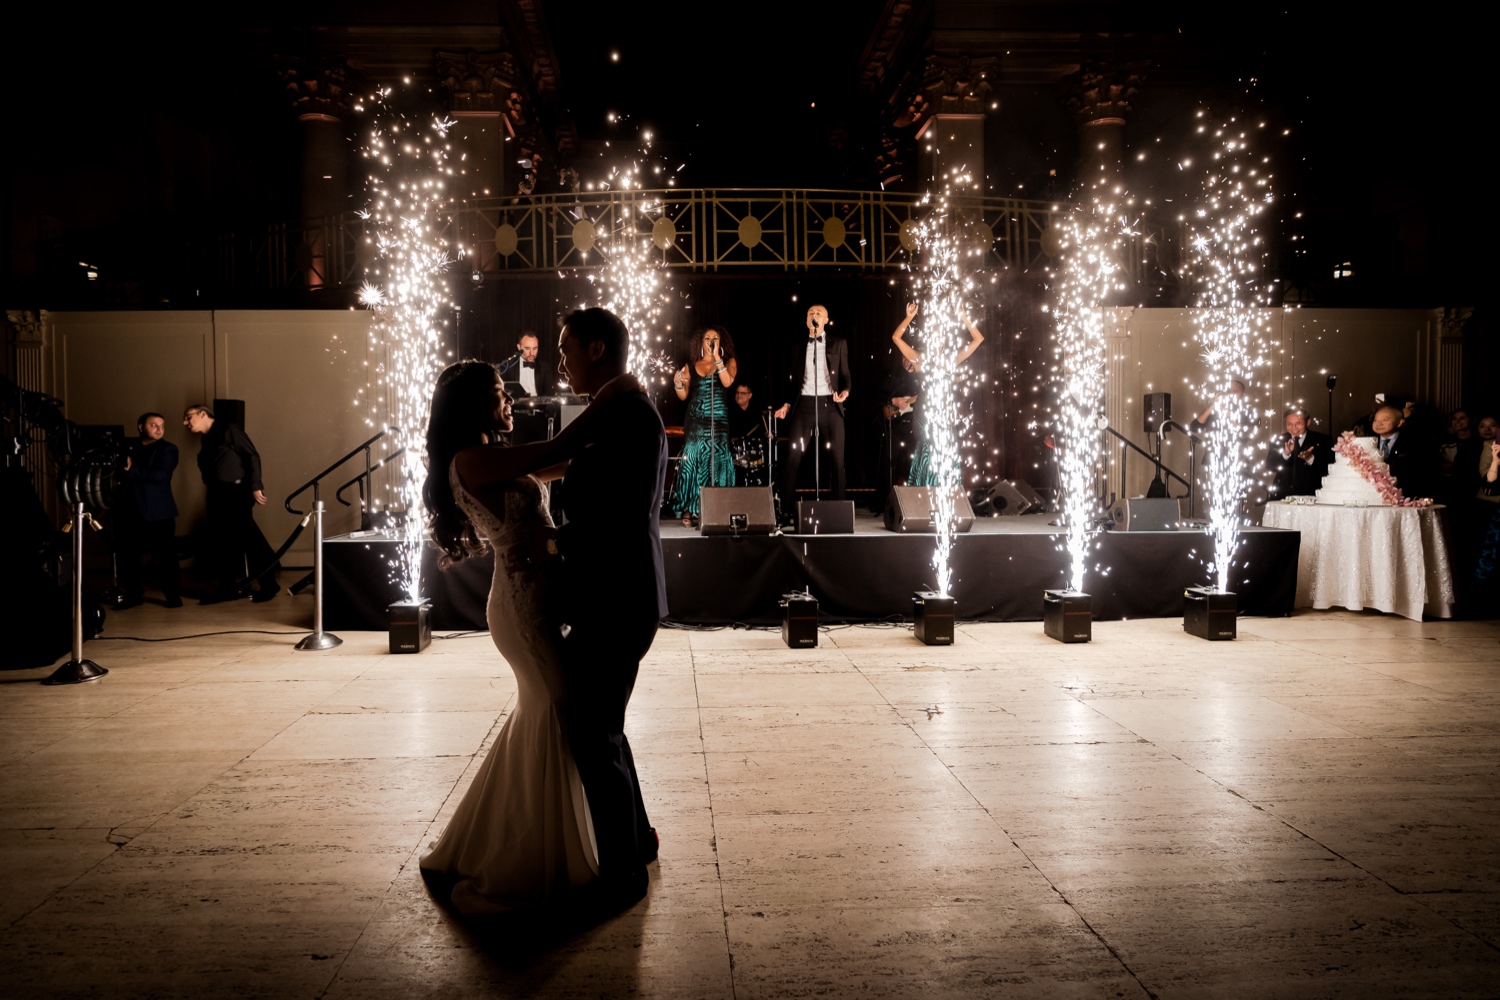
(910,508)
(736,510)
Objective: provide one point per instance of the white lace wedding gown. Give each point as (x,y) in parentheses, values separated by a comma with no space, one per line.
(522,833)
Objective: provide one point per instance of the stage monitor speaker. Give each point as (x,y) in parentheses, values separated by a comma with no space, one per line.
(910,509)
(1145,514)
(1013,496)
(736,510)
(1158,410)
(825,517)
(231,410)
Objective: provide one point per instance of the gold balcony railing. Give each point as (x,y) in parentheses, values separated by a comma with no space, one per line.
(695,229)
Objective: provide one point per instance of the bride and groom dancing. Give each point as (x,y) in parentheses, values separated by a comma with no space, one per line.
(554,817)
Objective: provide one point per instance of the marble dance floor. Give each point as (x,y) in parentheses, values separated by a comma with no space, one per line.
(1310,811)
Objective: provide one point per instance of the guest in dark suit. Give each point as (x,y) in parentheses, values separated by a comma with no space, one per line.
(816,387)
(1412,459)
(523,368)
(230,466)
(146,523)
(1301,459)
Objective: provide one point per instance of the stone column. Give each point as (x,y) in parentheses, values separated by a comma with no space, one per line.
(482,96)
(1099,94)
(955,94)
(320,98)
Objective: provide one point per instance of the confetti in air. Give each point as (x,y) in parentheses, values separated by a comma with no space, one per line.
(943,287)
(1227,250)
(1091,240)
(408,206)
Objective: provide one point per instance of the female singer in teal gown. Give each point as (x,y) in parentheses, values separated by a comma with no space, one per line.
(703,383)
(922,472)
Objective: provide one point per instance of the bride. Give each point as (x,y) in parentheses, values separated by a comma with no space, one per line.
(521,836)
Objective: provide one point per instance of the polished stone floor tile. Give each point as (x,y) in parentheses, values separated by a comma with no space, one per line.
(1309,811)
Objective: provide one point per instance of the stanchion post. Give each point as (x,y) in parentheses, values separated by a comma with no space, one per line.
(318,639)
(77,670)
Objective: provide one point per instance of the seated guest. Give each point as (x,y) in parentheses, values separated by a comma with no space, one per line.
(1299,463)
(1412,463)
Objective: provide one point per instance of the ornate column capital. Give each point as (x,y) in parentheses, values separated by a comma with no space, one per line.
(1453,321)
(1101,91)
(481,83)
(318,90)
(957,83)
(30,327)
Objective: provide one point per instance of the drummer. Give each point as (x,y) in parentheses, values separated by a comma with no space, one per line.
(747,432)
(744,421)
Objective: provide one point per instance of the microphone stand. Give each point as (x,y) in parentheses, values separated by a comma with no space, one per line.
(818,418)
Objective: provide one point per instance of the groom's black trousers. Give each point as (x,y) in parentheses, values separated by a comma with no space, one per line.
(601,658)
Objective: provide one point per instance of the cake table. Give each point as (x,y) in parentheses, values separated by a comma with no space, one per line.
(1394,559)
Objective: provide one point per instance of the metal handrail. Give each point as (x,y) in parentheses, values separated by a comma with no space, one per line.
(315,483)
(698,229)
(1153,459)
(1193,442)
(362,479)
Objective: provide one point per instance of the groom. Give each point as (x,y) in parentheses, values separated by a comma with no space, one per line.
(616,589)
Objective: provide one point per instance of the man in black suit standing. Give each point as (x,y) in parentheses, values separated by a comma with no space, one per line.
(1412,459)
(1301,460)
(612,568)
(524,370)
(146,523)
(816,388)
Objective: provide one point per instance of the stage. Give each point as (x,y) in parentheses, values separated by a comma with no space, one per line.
(1000,570)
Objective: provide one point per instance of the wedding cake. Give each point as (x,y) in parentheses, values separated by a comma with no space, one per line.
(1347,485)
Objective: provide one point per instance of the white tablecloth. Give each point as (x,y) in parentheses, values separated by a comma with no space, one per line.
(1391,558)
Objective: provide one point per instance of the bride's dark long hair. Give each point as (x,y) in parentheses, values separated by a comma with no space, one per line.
(460,417)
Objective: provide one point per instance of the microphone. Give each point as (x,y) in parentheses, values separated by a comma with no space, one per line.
(509,363)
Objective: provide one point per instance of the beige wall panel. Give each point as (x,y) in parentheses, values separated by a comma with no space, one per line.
(300,373)
(111,367)
(1371,350)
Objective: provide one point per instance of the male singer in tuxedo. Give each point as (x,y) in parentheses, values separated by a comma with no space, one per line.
(817,386)
(1300,460)
(524,369)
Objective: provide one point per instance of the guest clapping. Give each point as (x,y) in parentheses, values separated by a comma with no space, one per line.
(1300,461)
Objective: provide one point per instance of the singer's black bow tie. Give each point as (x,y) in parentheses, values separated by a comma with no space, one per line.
(818,339)
(528,364)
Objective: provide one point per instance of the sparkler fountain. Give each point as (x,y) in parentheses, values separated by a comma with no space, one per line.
(630,280)
(943,287)
(1091,240)
(1231,333)
(411,165)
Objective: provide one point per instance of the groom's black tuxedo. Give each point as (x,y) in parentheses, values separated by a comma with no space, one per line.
(616,596)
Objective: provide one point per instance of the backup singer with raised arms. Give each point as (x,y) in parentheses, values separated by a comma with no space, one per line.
(816,387)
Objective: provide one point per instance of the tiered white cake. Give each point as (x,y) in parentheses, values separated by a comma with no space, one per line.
(1345,486)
